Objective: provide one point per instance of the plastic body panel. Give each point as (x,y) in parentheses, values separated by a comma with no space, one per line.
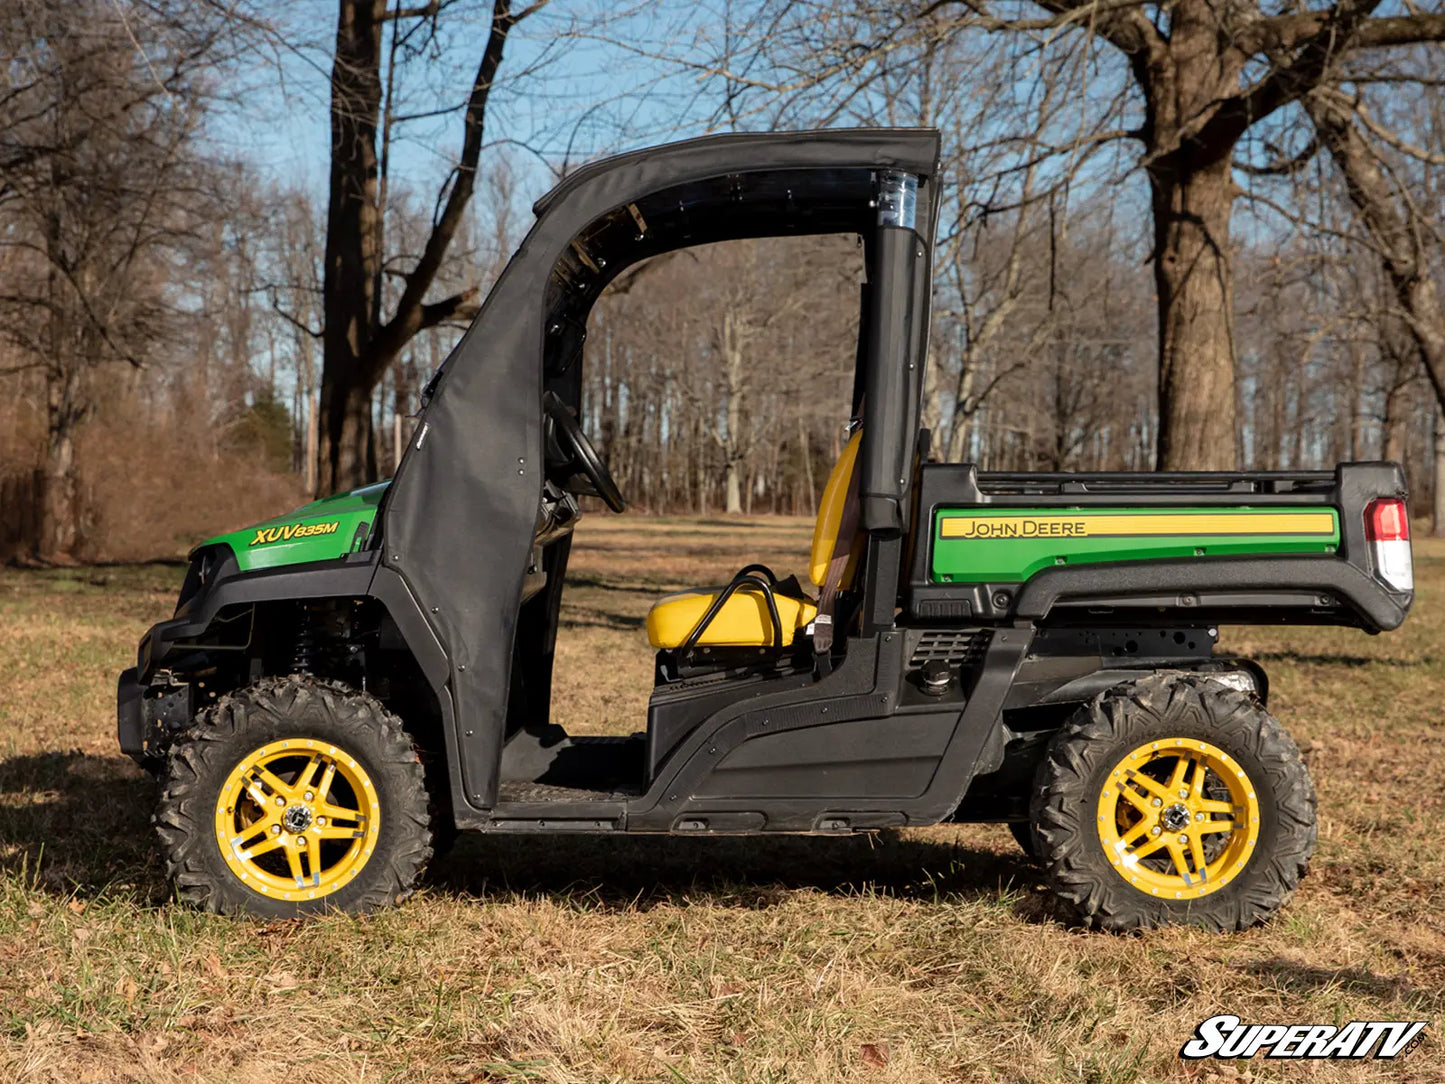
(322,530)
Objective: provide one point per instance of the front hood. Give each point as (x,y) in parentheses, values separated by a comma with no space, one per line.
(331,527)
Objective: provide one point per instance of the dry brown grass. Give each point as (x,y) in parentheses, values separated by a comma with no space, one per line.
(915,956)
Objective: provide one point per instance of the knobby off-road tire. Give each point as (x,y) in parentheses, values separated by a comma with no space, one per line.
(1095,794)
(288,761)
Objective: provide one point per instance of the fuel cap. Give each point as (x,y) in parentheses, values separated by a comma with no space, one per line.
(936,675)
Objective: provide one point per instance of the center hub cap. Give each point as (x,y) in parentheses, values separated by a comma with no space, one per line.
(298,818)
(1175,817)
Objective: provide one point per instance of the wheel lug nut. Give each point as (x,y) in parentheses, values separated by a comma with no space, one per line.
(1199,816)
(321,821)
(275,829)
(310,796)
(280,800)
(1183,838)
(1155,830)
(301,841)
(1158,801)
(1182,794)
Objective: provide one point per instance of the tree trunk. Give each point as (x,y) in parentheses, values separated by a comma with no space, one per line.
(347,457)
(348,451)
(58,532)
(732,443)
(733,487)
(358,347)
(57,513)
(1194,279)
(1398,409)
(1437,520)
(807,449)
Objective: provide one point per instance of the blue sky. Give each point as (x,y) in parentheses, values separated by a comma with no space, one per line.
(566,93)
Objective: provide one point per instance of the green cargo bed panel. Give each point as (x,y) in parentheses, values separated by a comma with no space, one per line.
(994,545)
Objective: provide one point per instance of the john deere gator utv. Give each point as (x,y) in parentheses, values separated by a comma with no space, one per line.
(342,682)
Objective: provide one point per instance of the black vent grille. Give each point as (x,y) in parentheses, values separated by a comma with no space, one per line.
(953,646)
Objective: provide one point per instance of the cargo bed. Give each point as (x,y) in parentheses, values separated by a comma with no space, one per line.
(1145,549)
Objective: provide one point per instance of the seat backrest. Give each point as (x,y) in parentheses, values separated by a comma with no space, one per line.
(830,516)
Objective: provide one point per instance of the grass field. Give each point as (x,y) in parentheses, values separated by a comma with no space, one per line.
(915,956)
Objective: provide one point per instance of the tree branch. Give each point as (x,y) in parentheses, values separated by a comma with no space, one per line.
(462,306)
(1122,25)
(1287,81)
(1380,132)
(426,11)
(410,310)
(1281,166)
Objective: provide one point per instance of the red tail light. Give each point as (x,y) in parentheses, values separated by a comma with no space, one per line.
(1387,530)
(1387,521)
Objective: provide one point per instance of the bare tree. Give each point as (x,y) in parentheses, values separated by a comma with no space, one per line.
(1200,75)
(1395,222)
(100,188)
(360,340)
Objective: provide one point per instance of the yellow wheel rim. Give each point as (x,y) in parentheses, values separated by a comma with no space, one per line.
(1178,818)
(297,819)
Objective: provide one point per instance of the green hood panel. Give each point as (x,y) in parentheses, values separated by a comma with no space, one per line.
(320,531)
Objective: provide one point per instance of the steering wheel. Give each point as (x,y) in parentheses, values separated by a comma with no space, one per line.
(581,456)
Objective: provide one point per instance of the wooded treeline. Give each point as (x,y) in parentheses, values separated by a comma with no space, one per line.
(1177,235)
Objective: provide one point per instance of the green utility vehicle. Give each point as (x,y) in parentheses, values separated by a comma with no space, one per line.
(344,685)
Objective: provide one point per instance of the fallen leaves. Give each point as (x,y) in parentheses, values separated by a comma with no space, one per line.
(874,1054)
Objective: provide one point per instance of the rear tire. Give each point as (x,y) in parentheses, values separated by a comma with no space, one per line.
(294,796)
(1127,807)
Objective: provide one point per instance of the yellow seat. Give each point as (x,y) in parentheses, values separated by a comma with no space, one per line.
(743,620)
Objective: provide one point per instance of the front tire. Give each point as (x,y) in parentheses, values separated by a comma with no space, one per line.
(294,796)
(1173,800)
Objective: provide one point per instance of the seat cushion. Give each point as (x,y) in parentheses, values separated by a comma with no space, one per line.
(743,620)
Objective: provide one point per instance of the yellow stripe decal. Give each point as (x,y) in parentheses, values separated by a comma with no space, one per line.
(1103,525)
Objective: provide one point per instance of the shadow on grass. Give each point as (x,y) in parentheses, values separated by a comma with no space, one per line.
(72,823)
(76,823)
(583,581)
(1303,979)
(618,872)
(1335,659)
(601,619)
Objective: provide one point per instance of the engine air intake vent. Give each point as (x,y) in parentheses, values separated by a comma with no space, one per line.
(953,646)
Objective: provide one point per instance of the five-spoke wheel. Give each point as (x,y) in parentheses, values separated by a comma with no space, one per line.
(294,795)
(1173,799)
(297,818)
(1178,817)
